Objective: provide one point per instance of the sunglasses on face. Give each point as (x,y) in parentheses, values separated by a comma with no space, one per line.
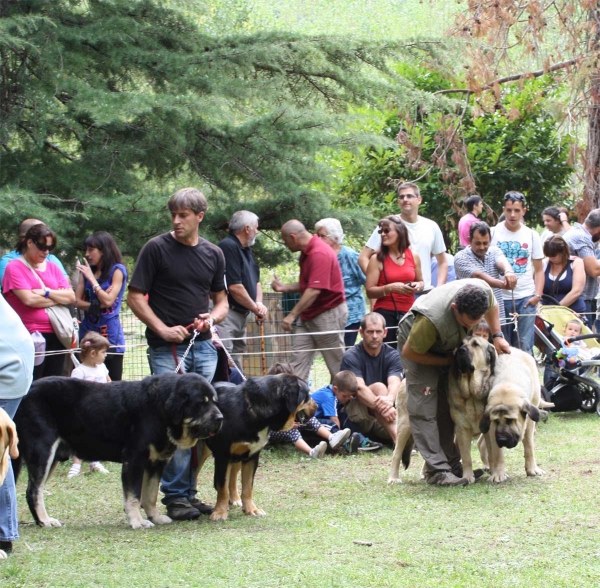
(384,231)
(43,246)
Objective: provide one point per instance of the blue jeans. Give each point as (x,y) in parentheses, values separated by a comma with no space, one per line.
(9,523)
(526,322)
(178,478)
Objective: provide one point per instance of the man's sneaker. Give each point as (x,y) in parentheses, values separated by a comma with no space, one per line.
(337,439)
(96,466)
(182,510)
(446,479)
(74,470)
(201,507)
(352,444)
(6,546)
(318,451)
(368,445)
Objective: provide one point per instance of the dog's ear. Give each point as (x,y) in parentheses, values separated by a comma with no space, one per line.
(295,392)
(531,411)
(13,441)
(177,401)
(491,353)
(484,425)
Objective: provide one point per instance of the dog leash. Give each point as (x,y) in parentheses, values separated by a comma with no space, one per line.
(515,317)
(185,354)
(217,339)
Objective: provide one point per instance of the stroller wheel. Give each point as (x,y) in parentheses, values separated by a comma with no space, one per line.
(589,399)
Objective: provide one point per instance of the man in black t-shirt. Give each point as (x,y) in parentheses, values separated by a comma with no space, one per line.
(179,271)
(243,282)
(378,371)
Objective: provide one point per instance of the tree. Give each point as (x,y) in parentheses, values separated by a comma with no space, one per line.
(535,38)
(109,105)
(454,155)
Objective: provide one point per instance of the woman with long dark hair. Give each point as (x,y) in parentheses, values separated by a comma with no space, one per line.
(564,277)
(99,293)
(394,274)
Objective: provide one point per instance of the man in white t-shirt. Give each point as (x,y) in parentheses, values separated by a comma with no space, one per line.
(523,250)
(424,234)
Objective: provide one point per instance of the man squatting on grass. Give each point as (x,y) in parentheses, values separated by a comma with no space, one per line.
(428,336)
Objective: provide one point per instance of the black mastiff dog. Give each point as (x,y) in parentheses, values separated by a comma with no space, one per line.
(138,424)
(250,410)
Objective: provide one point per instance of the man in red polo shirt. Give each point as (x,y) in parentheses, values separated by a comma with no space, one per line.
(322,306)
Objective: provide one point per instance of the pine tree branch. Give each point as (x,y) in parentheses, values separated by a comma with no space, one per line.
(513,78)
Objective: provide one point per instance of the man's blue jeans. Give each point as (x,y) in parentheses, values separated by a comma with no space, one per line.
(178,477)
(525,322)
(9,523)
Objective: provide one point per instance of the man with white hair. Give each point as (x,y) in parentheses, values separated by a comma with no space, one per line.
(331,232)
(242,277)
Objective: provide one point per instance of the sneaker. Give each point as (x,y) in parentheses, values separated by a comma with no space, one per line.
(74,470)
(337,439)
(368,445)
(352,444)
(201,507)
(182,510)
(6,546)
(318,451)
(446,479)
(96,466)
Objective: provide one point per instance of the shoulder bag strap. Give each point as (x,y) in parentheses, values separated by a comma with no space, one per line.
(23,260)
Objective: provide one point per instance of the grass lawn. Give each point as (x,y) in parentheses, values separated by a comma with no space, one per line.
(527,532)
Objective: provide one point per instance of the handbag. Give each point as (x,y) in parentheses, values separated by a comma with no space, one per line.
(59,315)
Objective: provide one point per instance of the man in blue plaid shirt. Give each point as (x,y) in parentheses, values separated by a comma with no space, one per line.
(486,262)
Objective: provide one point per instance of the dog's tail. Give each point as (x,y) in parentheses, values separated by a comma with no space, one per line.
(406,453)
(17,463)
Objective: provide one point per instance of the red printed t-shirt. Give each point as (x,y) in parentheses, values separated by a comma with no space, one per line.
(320,269)
(397,273)
(19,277)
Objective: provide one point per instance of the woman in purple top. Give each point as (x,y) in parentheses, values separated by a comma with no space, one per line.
(100,293)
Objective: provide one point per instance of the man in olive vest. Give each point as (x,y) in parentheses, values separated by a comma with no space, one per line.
(428,336)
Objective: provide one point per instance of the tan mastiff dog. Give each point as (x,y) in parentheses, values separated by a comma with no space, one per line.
(8,443)
(511,412)
(468,388)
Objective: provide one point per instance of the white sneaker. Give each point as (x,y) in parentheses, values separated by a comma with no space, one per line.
(318,451)
(337,439)
(74,470)
(96,466)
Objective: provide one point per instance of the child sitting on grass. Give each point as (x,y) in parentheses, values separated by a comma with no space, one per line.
(333,438)
(92,368)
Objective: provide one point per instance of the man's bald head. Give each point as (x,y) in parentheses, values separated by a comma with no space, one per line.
(295,235)
(27,224)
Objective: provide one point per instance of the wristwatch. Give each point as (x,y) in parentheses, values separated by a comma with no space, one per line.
(47,293)
(498,336)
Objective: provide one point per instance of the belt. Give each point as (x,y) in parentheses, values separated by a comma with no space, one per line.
(245,312)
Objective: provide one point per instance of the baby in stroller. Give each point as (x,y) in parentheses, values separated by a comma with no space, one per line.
(574,328)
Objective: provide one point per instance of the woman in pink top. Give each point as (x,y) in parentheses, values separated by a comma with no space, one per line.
(474,206)
(393,275)
(24,292)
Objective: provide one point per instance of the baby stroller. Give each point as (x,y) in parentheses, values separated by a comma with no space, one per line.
(568,381)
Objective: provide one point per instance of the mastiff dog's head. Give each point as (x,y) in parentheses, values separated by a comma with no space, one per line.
(506,413)
(475,354)
(191,409)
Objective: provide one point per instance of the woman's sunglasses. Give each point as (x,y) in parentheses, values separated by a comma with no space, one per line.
(43,246)
(384,231)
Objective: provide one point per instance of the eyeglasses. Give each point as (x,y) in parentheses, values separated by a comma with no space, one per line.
(408,196)
(43,246)
(384,231)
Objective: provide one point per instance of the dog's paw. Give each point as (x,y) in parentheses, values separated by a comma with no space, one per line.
(498,477)
(50,522)
(218,515)
(392,481)
(236,502)
(141,524)
(255,512)
(536,472)
(161,519)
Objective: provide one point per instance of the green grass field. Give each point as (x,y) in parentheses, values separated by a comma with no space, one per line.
(527,532)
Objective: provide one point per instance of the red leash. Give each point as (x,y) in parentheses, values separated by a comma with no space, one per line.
(179,362)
